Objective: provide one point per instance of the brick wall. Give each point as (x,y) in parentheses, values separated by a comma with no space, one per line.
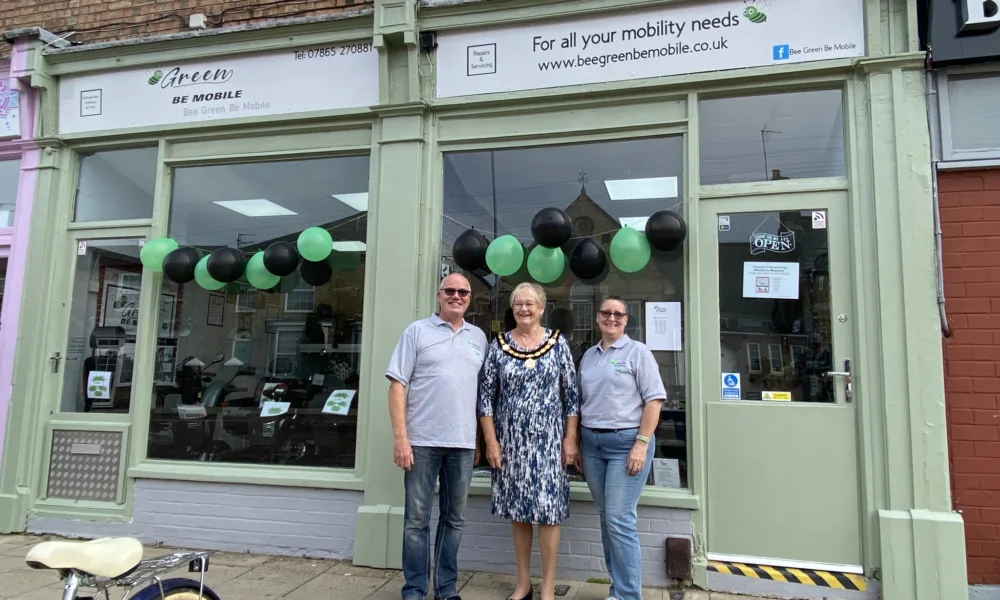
(970,217)
(102,20)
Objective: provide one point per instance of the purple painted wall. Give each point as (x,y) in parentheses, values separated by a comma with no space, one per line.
(14,240)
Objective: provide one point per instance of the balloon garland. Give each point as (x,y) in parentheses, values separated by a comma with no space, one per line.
(552,229)
(279,268)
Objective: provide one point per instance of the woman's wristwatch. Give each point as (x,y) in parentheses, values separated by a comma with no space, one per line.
(642,438)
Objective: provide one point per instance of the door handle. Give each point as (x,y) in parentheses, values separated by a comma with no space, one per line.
(846,374)
(55,358)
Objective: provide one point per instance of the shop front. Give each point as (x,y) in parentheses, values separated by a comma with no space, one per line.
(19,159)
(802,442)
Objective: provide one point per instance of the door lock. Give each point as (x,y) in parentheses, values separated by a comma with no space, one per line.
(846,374)
(55,358)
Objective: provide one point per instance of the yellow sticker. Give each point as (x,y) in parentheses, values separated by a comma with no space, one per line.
(778,396)
(495,326)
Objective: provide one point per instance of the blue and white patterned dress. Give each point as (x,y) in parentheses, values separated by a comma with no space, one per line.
(529,408)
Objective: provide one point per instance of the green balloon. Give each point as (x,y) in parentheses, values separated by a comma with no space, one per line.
(545,265)
(154,251)
(203,278)
(629,250)
(258,275)
(504,255)
(315,244)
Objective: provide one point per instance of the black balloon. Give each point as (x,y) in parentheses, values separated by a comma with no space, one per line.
(315,273)
(551,227)
(281,258)
(665,230)
(588,259)
(226,264)
(178,266)
(469,250)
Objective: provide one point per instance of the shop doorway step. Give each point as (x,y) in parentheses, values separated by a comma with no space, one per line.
(788,579)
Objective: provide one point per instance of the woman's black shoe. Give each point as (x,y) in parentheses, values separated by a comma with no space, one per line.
(525,597)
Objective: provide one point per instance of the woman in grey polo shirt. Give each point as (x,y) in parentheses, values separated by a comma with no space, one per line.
(621,393)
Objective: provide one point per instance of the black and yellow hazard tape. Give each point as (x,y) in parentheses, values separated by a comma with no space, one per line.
(828,579)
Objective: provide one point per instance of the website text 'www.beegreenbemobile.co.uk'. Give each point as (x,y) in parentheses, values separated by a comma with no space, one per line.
(603,60)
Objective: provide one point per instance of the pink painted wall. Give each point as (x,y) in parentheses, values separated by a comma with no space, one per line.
(14,240)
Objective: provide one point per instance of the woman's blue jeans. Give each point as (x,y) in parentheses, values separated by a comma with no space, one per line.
(616,497)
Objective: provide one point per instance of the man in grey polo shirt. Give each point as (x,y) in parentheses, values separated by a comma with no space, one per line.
(433,379)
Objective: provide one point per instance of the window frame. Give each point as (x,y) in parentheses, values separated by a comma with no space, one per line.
(777,367)
(749,361)
(288,296)
(949,154)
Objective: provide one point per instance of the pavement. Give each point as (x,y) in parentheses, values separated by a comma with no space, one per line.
(254,577)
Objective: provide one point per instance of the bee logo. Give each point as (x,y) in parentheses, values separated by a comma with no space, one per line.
(155,77)
(755,10)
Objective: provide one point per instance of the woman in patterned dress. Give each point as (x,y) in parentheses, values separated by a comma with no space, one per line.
(529,406)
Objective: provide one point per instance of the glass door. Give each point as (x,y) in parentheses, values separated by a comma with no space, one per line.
(782,453)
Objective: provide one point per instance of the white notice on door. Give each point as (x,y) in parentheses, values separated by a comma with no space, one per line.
(778,280)
(663,326)
(666,472)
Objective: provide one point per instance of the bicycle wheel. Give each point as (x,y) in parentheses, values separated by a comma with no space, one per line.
(182,594)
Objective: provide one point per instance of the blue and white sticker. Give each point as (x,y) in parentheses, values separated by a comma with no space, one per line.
(731,386)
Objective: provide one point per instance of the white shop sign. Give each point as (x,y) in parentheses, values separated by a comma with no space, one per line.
(296,80)
(689,37)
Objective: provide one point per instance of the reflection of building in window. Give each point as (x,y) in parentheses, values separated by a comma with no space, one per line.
(753,357)
(777,361)
(300,300)
(582,305)
(246,302)
(285,348)
(634,327)
(796,354)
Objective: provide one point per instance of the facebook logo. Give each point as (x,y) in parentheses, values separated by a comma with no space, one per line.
(780,52)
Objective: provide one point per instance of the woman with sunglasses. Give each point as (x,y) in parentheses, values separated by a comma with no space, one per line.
(621,395)
(528,407)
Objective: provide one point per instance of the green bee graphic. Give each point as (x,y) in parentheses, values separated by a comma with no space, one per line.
(155,77)
(755,10)
(274,410)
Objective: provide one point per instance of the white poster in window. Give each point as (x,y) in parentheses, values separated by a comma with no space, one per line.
(10,110)
(666,472)
(778,280)
(99,385)
(664,326)
(339,402)
(273,409)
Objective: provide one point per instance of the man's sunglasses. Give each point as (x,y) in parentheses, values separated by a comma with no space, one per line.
(607,314)
(455,292)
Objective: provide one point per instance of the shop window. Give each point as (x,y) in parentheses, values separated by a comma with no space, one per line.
(10,172)
(116,185)
(255,368)
(602,187)
(97,366)
(797,135)
(970,115)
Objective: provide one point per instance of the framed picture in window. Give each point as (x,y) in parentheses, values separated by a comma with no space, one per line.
(216,309)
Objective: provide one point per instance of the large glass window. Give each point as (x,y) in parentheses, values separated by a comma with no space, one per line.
(771,137)
(10,172)
(602,187)
(97,364)
(116,185)
(973,113)
(246,375)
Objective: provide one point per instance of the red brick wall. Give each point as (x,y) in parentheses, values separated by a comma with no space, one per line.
(101,20)
(970,222)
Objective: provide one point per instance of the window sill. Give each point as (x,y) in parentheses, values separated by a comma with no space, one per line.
(651,496)
(276,475)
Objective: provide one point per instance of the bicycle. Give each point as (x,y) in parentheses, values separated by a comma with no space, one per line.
(109,563)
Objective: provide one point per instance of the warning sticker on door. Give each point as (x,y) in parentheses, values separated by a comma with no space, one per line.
(723,222)
(777,396)
(819,219)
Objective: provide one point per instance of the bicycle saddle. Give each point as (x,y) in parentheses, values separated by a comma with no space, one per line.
(105,557)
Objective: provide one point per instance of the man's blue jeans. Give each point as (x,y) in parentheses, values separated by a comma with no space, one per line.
(616,497)
(453,466)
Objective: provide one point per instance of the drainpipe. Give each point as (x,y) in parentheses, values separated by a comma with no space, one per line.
(933,116)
